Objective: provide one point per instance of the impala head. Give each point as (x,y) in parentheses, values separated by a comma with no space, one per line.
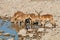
(27,20)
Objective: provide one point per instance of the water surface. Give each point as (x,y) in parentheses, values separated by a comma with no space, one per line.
(4,25)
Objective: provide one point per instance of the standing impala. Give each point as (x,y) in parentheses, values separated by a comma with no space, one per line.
(19,16)
(46,18)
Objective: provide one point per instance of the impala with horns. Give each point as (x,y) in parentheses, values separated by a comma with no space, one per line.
(46,18)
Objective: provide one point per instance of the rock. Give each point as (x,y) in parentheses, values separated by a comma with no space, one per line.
(40,30)
(22,32)
(30,34)
(11,39)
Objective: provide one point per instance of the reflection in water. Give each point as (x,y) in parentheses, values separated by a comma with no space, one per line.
(4,25)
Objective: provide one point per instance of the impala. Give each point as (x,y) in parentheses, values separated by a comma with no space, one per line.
(46,18)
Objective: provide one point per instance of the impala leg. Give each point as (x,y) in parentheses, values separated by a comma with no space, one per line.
(53,23)
(43,24)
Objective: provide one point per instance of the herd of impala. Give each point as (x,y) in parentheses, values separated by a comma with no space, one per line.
(32,18)
(30,21)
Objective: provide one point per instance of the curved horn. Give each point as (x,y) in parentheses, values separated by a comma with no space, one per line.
(36,11)
(39,12)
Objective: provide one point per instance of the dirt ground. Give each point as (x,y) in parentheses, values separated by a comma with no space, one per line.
(9,7)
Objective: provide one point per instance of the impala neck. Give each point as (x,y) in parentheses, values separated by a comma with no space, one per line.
(39,14)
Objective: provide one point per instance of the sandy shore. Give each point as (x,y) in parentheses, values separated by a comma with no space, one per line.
(9,7)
